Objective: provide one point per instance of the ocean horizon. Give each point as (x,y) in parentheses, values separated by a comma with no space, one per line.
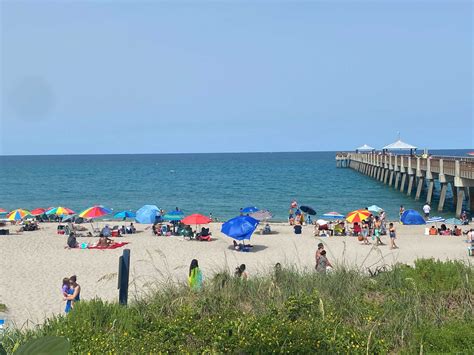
(217,183)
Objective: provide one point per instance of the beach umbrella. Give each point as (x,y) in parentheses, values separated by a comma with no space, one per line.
(453,221)
(147,214)
(68,218)
(250,209)
(174,216)
(240,227)
(3,211)
(196,219)
(125,214)
(357,216)
(471,154)
(95,212)
(321,222)
(262,215)
(308,210)
(37,211)
(375,209)
(18,214)
(435,220)
(60,211)
(333,215)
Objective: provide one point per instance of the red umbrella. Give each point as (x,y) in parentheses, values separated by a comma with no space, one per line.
(196,219)
(470,153)
(37,211)
(2,210)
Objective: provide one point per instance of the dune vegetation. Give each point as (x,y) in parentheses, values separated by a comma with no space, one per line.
(423,309)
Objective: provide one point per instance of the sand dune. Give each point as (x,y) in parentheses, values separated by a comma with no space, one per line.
(34,263)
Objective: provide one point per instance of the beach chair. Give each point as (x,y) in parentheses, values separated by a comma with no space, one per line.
(95,230)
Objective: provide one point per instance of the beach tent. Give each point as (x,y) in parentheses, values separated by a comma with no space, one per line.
(412,217)
(147,214)
(365,148)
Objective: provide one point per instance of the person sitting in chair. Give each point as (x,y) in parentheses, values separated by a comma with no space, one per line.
(267,229)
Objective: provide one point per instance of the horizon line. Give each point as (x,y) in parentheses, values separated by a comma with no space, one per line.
(189,153)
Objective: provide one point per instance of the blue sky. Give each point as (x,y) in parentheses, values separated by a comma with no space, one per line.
(158,77)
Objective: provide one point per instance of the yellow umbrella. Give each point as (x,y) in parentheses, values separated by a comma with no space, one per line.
(357,216)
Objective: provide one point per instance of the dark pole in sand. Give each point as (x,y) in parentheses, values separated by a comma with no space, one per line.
(123,274)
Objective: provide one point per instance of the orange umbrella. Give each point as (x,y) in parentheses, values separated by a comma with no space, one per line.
(357,216)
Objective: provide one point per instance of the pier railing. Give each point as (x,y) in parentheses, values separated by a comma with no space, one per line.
(462,167)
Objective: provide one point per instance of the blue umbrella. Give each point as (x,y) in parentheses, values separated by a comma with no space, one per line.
(250,209)
(174,216)
(240,228)
(125,214)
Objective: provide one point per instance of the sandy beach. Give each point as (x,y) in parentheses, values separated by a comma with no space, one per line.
(34,263)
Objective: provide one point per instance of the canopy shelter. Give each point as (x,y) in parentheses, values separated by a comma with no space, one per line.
(365,148)
(400,145)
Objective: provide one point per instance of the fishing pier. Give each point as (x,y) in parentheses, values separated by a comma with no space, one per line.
(414,175)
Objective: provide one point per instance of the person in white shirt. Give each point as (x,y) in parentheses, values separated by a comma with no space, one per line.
(426,210)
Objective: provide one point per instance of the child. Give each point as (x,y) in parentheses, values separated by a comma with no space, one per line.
(67,290)
(392,236)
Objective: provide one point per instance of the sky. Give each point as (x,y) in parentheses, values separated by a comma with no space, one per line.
(106,77)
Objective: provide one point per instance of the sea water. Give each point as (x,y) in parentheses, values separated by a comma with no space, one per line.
(220,184)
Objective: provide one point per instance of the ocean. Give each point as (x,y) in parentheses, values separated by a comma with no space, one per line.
(220,184)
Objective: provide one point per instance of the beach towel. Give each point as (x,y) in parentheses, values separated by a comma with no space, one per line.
(113,246)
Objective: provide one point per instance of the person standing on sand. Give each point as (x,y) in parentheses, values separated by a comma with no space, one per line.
(402,209)
(318,253)
(195,276)
(393,235)
(376,235)
(323,263)
(74,294)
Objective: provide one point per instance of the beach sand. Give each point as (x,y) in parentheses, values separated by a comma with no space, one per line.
(33,264)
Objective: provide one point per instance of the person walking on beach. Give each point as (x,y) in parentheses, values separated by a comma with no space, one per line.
(427,210)
(393,235)
(195,276)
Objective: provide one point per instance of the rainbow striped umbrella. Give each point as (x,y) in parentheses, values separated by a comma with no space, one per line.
(95,212)
(60,211)
(18,214)
(357,216)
